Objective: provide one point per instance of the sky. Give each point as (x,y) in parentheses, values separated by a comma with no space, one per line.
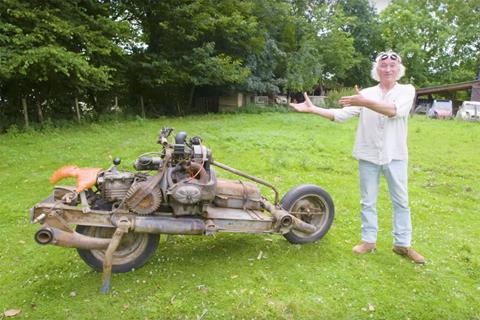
(380,4)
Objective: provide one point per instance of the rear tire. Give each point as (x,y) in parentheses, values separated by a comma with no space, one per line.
(134,250)
(313,205)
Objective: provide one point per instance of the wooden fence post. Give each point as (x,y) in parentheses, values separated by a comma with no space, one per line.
(40,113)
(142,106)
(25,112)
(77,109)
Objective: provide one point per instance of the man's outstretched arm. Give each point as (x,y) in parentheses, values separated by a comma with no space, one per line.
(385,108)
(309,107)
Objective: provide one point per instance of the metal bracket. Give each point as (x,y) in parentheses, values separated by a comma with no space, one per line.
(54,218)
(84,202)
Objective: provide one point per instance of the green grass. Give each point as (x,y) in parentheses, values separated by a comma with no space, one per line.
(220,276)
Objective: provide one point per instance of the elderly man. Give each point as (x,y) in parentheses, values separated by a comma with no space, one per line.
(381,148)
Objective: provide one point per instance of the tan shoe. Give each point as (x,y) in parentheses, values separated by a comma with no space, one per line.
(364,247)
(410,253)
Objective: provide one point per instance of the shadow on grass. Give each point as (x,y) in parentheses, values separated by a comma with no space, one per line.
(178,259)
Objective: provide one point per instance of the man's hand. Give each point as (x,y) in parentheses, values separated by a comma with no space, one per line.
(306,106)
(355,100)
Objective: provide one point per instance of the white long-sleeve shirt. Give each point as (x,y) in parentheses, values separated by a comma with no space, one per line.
(381,139)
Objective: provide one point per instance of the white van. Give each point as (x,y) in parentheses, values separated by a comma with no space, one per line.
(469,111)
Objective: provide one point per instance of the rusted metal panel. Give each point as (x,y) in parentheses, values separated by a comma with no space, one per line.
(72,215)
(237,194)
(237,220)
(230,213)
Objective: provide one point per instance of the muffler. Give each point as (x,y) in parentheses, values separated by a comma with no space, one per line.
(165,225)
(51,235)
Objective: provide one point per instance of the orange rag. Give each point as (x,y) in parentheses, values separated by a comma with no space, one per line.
(86,177)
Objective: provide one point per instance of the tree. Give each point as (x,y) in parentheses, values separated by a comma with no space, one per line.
(316,48)
(52,49)
(268,66)
(196,43)
(335,43)
(304,67)
(364,27)
(438,39)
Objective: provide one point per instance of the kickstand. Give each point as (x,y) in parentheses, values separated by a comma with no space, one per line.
(108,260)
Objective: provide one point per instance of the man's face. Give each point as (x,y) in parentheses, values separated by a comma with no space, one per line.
(388,69)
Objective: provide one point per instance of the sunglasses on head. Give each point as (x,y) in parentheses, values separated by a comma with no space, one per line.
(393,56)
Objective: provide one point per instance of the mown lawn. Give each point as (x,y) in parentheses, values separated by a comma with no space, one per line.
(225,276)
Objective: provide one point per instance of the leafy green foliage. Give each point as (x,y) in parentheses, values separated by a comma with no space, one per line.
(364,27)
(209,69)
(304,68)
(51,45)
(331,100)
(439,39)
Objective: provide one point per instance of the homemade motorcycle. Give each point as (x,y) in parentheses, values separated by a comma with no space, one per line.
(119,215)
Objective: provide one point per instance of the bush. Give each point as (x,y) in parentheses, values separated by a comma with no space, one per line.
(331,101)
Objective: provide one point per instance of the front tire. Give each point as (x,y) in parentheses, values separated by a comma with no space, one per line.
(134,250)
(313,205)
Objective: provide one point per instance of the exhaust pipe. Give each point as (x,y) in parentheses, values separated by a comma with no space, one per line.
(303,226)
(44,236)
(167,225)
(51,235)
(283,219)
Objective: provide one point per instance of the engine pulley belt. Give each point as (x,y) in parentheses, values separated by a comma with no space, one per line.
(141,193)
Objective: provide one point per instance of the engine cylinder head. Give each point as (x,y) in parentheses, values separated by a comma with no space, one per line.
(148,163)
(115,185)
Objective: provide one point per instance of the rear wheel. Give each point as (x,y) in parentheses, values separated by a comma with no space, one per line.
(313,205)
(134,250)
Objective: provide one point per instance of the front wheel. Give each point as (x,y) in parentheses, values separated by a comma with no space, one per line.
(134,251)
(313,205)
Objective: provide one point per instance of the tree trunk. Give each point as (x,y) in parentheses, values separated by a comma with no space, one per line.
(40,113)
(25,112)
(115,107)
(179,109)
(77,109)
(142,106)
(93,100)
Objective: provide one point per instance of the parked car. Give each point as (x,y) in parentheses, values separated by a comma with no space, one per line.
(469,111)
(441,109)
(422,106)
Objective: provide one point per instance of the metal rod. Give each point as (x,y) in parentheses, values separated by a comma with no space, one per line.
(123,226)
(108,260)
(242,174)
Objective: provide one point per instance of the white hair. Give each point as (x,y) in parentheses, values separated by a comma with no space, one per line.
(374,72)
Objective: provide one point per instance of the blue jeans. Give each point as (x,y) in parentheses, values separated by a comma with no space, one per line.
(396,175)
